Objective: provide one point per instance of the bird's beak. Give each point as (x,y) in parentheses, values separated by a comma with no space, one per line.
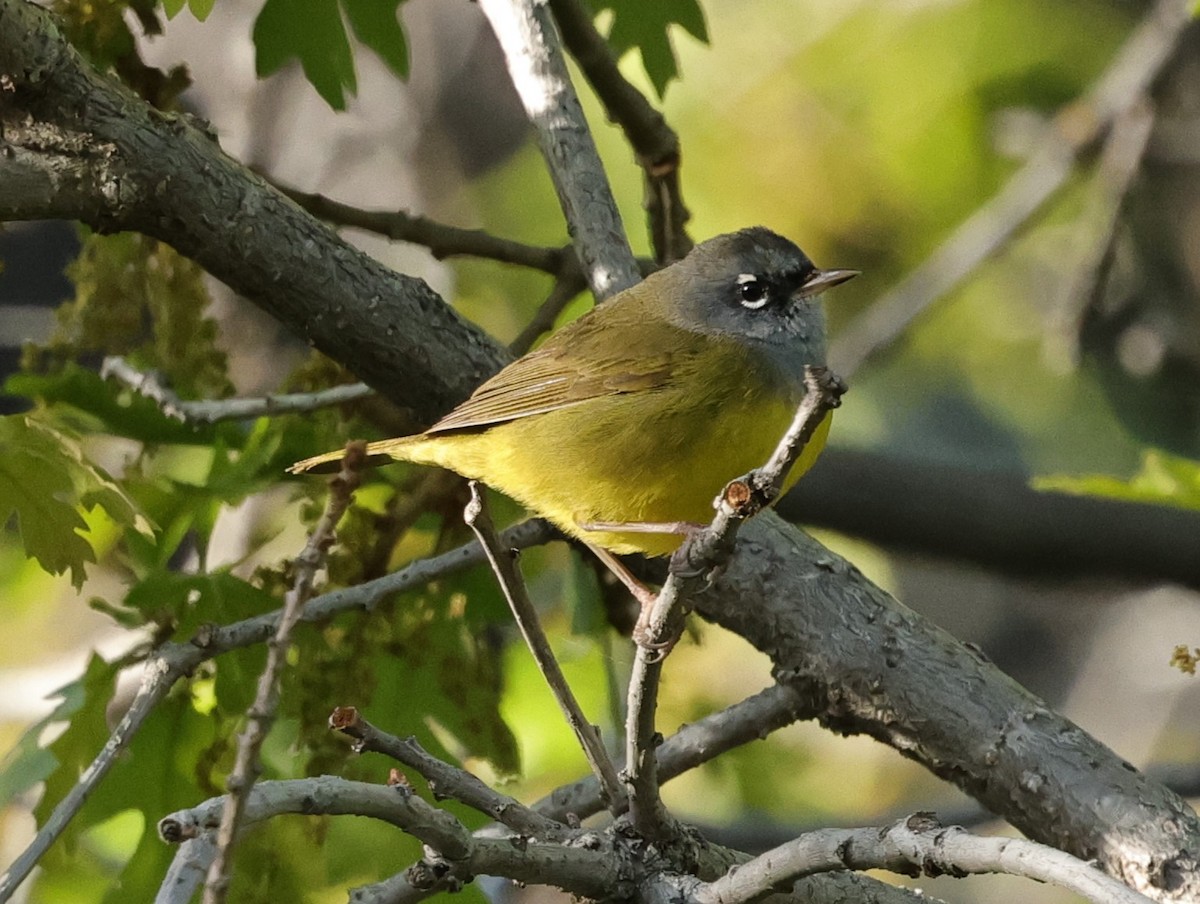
(820,280)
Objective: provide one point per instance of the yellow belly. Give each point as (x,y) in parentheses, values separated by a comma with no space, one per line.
(622,459)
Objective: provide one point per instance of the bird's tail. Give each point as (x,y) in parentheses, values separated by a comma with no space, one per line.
(378,453)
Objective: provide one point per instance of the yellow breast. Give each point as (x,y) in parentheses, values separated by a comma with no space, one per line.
(634,458)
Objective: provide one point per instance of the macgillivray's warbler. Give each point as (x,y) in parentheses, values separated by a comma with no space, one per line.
(625,424)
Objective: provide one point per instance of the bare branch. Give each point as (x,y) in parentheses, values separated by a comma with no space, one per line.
(914,846)
(653,140)
(507,574)
(261,715)
(703,553)
(212,411)
(587,867)
(1074,130)
(332,796)
(441,239)
(535,62)
(445,780)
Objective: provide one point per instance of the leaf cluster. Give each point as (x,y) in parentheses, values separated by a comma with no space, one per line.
(430,661)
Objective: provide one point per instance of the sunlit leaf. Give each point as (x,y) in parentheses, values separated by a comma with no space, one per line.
(45,482)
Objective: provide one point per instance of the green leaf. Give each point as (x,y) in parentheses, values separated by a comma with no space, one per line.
(312,32)
(201,8)
(45,481)
(646,27)
(191,600)
(121,412)
(1163,480)
(376,23)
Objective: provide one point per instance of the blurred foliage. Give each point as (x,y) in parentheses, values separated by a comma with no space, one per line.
(1163,480)
(865,130)
(101,31)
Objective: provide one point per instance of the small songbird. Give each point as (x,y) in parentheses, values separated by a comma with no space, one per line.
(625,424)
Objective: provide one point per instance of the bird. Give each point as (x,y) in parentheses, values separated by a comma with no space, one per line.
(623,425)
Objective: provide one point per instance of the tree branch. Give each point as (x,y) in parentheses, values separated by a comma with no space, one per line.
(77,145)
(874,667)
(261,715)
(913,847)
(212,411)
(652,139)
(442,240)
(1075,129)
(587,868)
(539,73)
(445,780)
(513,587)
(332,796)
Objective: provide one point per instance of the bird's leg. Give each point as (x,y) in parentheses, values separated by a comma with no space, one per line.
(644,596)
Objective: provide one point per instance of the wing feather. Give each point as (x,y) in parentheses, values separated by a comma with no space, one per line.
(578,364)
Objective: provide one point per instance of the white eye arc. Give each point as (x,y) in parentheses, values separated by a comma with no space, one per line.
(752,291)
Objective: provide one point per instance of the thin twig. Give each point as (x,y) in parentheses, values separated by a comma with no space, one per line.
(1120,162)
(1075,129)
(444,779)
(211,411)
(261,714)
(564,289)
(509,576)
(915,846)
(441,239)
(539,73)
(702,553)
(654,142)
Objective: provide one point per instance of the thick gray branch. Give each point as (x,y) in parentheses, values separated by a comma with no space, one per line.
(872,666)
(76,145)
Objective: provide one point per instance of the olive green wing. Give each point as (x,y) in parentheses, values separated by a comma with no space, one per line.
(606,352)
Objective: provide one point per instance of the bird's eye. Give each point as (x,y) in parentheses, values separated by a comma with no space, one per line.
(752,291)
